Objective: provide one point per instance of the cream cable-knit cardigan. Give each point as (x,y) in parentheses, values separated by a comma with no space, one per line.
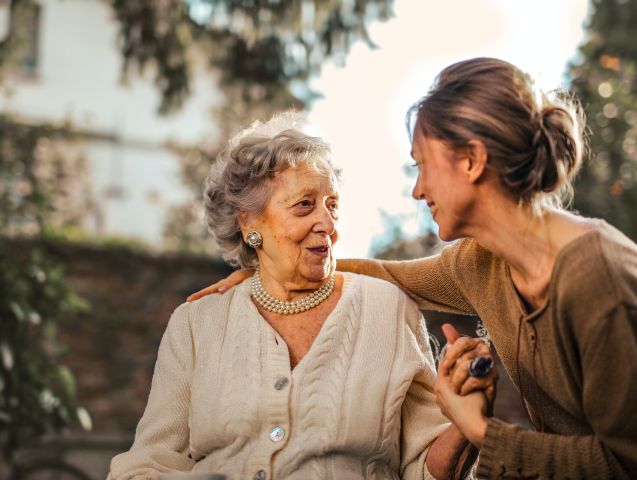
(223,399)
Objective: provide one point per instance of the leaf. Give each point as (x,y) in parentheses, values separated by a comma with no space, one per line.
(17,311)
(68,380)
(7,356)
(84,418)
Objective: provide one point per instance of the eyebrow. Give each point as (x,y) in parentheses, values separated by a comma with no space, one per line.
(307,191)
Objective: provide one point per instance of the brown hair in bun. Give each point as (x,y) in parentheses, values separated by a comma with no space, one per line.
(535,143)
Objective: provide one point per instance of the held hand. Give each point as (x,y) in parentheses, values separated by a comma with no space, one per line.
(468,413)
(223,285)
(459,353)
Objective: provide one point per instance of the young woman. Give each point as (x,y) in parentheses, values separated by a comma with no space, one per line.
(557,292)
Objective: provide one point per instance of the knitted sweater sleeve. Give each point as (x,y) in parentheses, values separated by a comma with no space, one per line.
(422,421)
(609,368)
(162,436)
(430,281)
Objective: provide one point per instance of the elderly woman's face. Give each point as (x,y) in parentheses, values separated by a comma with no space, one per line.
(299,226)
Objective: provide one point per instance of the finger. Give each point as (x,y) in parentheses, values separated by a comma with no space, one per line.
(480,383)
(480,351)
(472,384)
(466,355)
(450,333)
(457,349)
(203,292)
(461,369)
(459,374)
(490,392)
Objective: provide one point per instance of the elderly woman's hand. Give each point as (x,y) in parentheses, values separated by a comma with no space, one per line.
(223,285)
(458,355)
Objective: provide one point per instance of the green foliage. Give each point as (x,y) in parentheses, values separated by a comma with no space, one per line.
(23,201)
(36,392)
(605,79)
(261,46)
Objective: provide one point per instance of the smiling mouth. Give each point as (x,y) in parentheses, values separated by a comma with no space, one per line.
(322,250)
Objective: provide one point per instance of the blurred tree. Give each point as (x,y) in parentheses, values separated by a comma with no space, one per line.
(44,180)
(184,228)
(262,48)
(605,79)
(36,391)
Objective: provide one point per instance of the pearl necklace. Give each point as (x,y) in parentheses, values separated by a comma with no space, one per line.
(286,307)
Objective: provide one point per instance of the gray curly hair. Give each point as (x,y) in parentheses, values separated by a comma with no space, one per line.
(240,179)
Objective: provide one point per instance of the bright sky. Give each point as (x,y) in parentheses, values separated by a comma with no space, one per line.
(363,110)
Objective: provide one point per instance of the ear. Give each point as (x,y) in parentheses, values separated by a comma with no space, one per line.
(476,160)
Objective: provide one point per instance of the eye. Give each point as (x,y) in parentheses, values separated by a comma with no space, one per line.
(304,203)
(333,206)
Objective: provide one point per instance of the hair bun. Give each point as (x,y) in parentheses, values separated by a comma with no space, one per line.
(556,147)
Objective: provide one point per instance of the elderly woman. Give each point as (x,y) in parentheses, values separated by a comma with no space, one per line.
(298,372)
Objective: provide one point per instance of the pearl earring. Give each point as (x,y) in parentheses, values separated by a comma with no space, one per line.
(254,239)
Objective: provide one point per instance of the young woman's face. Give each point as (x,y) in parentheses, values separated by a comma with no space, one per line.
(299,226)
(444,185)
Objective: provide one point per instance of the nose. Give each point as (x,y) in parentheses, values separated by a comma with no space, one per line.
(325,222)
(418,191)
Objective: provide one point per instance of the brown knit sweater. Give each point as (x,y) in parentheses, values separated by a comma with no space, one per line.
(576,363)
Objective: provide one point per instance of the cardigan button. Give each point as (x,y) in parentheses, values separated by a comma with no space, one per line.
(281,383)
(277,434)
(260,475)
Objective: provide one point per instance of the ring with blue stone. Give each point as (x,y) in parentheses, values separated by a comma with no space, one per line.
(480,366)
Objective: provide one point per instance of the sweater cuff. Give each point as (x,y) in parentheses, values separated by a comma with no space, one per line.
(495,442)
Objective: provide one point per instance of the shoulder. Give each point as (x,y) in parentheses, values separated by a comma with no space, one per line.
(619,255)
(212,311)
(469,258)
(384,298)
(602,261)
(595,273)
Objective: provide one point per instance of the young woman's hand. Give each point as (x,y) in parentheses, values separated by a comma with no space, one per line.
(468,413)
(458,355)
(222,285)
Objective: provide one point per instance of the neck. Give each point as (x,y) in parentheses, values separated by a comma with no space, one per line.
(513,233)
(529,244)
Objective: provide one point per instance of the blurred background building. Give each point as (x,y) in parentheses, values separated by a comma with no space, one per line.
(69,73)
(111,113)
